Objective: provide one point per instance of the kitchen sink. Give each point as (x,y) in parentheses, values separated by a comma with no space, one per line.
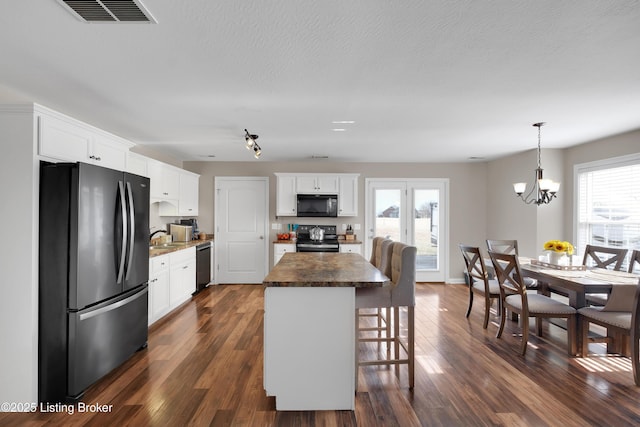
(168,245)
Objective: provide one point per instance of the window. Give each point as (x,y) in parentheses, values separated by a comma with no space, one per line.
(608,203)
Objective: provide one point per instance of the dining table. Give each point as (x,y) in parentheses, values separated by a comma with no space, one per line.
(309,329)
(575,282)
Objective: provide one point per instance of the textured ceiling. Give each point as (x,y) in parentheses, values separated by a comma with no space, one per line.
(426,81)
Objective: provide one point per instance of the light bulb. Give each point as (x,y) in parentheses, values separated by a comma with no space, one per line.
(519,187)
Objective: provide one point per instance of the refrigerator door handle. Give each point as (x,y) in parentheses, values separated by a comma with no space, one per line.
(101,310)
(132,229)
(123,249)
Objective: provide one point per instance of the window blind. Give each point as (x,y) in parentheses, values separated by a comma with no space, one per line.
(608,203)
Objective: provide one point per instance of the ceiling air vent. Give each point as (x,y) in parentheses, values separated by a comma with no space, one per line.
(109,11)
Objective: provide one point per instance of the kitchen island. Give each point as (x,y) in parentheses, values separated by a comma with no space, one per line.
(309,329)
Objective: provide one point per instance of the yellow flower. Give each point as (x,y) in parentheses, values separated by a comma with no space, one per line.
(559,246)
(570,248)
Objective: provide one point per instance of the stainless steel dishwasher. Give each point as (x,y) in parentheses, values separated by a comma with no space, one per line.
(203,266)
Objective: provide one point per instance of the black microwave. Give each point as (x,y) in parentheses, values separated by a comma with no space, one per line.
(318,205)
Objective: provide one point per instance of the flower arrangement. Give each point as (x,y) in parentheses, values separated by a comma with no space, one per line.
(559,246)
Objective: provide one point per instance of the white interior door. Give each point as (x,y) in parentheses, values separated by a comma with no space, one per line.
(412,212)
(241,209)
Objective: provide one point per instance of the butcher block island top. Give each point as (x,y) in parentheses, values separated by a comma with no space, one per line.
(324,269)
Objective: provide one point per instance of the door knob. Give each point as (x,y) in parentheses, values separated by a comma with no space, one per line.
(261,237)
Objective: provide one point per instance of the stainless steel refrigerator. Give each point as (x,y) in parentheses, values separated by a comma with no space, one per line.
(93,274)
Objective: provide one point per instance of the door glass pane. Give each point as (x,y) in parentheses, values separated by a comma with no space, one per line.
(425,228)
(388,213)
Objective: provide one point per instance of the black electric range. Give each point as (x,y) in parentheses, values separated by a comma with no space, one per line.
(329,243)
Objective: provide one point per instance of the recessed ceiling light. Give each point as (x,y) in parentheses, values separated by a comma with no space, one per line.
(343,122)
(339,130)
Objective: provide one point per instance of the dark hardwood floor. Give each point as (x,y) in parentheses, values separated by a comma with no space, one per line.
(203,366)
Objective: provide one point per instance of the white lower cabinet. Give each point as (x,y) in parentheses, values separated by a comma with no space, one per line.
(182,275)
(279,249)
(172,280)
(159,287)
(352,248)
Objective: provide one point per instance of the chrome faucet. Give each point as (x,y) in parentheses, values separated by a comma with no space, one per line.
(156,232)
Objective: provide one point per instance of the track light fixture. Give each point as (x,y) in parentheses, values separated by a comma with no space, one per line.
(252,144)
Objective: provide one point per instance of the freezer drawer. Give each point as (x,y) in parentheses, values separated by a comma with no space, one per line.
(103,337)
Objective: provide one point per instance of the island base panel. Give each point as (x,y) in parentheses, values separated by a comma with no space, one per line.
(309,347)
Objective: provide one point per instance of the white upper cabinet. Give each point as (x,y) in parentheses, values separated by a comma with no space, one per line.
(188,201)
(348,195)
(290,184)
(108,152)
(62,138)
(137,164)
(321,184)
(286,204)
(165,181)
(175,189)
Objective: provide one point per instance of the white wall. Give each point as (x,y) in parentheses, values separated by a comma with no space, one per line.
(615,146)
(18,257)
(467,193)
(508,216)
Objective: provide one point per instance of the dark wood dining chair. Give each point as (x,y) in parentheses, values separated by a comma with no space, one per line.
(503,246)
(633,260)
(602,257)
(479,282)
(510,247)
(621,317)
(515,297)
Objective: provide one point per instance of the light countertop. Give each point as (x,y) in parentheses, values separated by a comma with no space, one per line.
(158,250)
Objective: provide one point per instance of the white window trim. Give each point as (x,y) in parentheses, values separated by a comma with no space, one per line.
(610,163)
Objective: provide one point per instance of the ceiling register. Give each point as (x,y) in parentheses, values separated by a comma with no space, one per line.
(109,11)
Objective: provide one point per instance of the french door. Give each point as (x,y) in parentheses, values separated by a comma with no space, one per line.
(415,212)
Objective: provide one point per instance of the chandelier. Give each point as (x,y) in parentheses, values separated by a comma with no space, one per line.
(542,190)
(252,144)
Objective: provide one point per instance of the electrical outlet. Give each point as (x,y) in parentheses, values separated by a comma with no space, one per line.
(356,226)
(275,226)
(344,227)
